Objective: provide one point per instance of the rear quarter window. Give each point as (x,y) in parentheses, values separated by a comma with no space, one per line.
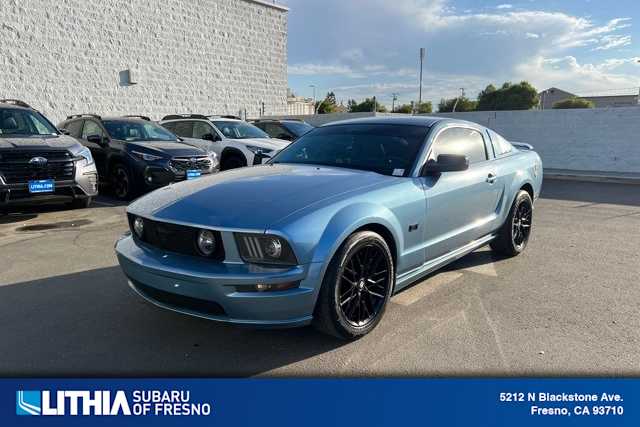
(500,145)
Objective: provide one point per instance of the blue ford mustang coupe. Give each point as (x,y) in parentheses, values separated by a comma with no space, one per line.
(333,225)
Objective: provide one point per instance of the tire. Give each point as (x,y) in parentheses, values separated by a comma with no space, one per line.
(514,234)
(233,161)
(82,203)
(121,182)
(356,287)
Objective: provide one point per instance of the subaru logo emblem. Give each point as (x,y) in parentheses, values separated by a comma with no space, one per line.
(38,162)
(194,161)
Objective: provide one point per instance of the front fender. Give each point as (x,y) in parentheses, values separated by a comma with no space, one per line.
(351,218)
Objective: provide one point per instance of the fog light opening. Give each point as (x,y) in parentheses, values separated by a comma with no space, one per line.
(268,287)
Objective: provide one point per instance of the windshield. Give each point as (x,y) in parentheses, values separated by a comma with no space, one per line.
(298,128)
(239,130)
(386,149)
(14,121)
(127,130)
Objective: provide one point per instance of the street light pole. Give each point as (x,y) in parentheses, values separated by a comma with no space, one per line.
(422,53)
(393,102)
(315,110)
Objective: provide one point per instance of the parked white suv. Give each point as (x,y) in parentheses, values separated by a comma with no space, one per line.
(236,142)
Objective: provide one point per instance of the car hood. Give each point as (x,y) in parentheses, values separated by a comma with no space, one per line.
(271,144)
(173,149)
(40,142)
(251,198)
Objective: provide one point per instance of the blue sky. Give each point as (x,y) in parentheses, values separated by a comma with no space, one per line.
(360,48)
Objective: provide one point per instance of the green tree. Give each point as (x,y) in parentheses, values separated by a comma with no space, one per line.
(328,104)
(365,106)
(573,102)
(425,108)
(461,103)
(521,96)
(404,109)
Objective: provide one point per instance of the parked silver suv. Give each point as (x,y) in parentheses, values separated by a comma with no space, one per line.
(39,163)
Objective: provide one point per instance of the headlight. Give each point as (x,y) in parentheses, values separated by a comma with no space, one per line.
(265,249)
(146,157)
(255,149)
(85,153)
(206,242)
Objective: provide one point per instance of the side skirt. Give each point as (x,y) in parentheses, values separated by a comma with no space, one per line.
(430,266)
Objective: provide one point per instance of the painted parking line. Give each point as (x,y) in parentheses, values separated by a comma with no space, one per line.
(425,288)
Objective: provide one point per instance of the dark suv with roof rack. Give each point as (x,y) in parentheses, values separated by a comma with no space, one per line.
(38,163)
(134,155)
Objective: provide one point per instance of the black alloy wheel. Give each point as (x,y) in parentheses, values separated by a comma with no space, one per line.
(364,284)
(356,288)
(121,182)
(514,234)
(521,224)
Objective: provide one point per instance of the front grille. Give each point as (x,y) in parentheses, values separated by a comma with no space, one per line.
(183,164)
(16,169)
(175,238)
(180,301)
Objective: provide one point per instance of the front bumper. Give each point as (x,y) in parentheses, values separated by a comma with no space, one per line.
(84,184)
(159,176)
(207,289)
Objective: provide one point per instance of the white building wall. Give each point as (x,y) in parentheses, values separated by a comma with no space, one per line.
(205,56)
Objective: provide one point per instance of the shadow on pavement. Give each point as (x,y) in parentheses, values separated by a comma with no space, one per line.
(21,213)
(91,324)
(591,192)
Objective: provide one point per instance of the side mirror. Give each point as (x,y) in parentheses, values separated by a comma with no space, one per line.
(210,137)
(98,139)
(446,163)
(64,132)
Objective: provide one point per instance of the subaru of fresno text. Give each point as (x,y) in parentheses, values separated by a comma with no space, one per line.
(135,155)
(236,142)
(38,163)
(335,224)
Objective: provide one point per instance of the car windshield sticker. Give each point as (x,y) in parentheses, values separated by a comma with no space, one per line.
(398,172)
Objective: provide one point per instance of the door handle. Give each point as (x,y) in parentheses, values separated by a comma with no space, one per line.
(491,178)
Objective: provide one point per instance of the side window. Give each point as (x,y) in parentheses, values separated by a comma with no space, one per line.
(464,141)
(91,128)
(500,145)
(75,128)
(202,128)
(183,129)
(276,130)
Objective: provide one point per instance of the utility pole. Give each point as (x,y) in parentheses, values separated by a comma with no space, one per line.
(458,99)
(374,104)
(393,102)
(315,110)
(422,53)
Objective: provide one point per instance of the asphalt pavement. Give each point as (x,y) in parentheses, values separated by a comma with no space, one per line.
(570,305)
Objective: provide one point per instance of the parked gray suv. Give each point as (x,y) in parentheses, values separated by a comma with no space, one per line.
(39,163)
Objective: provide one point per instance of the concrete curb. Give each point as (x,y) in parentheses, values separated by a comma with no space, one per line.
(593,176)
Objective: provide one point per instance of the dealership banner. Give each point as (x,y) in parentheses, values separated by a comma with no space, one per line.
(320,402)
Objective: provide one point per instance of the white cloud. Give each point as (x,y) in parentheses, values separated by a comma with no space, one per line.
(569,74)
(532,35)
(504,6)
(613,41)
(318,69)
